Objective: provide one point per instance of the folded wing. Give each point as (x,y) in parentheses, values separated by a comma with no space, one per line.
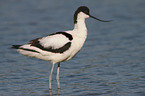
(55,43)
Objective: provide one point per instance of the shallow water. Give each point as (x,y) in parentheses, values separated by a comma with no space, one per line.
(111,63)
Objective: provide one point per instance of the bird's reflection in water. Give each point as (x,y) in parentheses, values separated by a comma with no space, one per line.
(57,92)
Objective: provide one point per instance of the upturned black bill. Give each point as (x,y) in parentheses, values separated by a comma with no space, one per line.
(100,19)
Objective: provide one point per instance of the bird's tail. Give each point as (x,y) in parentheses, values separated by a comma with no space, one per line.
(16,46)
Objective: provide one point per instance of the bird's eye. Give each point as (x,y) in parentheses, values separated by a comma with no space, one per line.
(86,11)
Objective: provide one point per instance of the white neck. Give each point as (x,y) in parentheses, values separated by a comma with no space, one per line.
(80,28)
(80,24)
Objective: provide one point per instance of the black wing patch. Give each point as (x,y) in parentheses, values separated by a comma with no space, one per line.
(69,36)
(29,50)
(18,47)
(62,49)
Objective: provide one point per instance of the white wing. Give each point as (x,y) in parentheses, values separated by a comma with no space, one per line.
(54,41)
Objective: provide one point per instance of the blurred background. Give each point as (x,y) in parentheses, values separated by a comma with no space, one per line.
(111,63)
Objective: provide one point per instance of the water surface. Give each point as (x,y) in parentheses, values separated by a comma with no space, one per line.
(111,63)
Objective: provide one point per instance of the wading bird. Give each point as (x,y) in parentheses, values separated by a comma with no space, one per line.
(60,46)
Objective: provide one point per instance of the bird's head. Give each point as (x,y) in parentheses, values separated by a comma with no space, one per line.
(83,12)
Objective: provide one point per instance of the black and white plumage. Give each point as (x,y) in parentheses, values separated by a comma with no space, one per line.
(60,46)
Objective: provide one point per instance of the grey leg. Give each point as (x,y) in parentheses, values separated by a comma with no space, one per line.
(50,76)
(57,76)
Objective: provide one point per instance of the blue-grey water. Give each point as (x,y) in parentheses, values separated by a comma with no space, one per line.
(111,63)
